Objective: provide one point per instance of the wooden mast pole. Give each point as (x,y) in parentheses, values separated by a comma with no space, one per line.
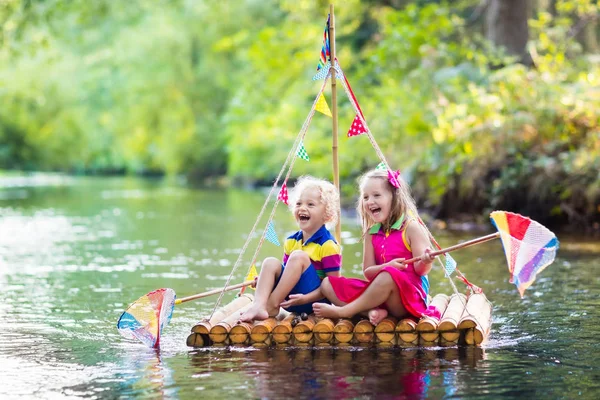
(334,146)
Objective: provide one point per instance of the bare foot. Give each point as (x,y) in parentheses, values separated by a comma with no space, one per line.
(323,310)
(254,313)
(377,315)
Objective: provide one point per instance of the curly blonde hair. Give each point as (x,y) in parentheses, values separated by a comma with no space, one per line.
(402,200)
(329,197)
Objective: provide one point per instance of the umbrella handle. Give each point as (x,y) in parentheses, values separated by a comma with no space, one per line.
(462,245)
(214,291)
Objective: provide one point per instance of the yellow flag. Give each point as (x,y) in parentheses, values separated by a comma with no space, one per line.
(322,106)
(251,274)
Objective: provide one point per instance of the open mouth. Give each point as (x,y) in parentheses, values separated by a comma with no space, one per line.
(303,218)
(375,211)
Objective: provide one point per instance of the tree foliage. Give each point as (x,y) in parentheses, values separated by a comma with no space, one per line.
(221,88)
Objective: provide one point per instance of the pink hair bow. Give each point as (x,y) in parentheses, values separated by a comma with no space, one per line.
(393,178)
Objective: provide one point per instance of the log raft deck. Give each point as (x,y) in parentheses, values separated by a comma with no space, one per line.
(463,322)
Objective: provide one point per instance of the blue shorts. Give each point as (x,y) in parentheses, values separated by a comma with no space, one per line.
(309,281)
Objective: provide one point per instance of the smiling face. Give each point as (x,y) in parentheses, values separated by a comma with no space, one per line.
(309,211)
(377,199)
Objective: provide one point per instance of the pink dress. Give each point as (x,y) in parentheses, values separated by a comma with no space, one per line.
(387,246)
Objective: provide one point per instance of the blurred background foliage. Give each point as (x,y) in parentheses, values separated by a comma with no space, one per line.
(220,89)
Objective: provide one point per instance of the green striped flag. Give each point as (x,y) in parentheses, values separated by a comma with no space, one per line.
(302,152)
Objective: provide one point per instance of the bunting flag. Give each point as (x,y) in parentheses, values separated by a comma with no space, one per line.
(322,106)
(322,73)
(301,152)
(283,194)
(252,274)
(450,265)
(271,235)
(357,127)
(381,165)
(325,54)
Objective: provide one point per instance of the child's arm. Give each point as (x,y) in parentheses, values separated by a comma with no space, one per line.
(298,299)
(370,269)
(420,245)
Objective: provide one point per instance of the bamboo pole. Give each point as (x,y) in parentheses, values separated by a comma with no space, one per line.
(462,245)
(236,304)
(323,331)
(363,331)
(407,332)
(477,318)
(334,146)
(303,331)
(343,331)
(262,329)
(240,333)
(386,329)
(283,330)
(219,332)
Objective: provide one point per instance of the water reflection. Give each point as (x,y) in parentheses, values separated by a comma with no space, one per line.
(341,372)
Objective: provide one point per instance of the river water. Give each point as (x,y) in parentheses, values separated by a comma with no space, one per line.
(75,252)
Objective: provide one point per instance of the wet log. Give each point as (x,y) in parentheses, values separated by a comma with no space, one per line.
(454,311)
(240,333)
(236,304)
(197,340)
(477,318)
(219,332)
(323,331)
(303,331)
(430,323)
(343,331)
(385,331)
(407,331)
(282,332)
(364,331)
(262,329)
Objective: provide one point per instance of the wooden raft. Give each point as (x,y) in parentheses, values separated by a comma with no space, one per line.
(463,322)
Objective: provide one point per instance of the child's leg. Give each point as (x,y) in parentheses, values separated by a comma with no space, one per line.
(329,293)
(294,268)
(383,289)
(269,272)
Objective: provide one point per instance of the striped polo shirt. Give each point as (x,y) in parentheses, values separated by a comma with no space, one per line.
(322,249)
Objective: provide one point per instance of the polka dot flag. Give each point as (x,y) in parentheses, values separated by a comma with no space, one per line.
(301,152)
(357,127)
(283,194)
(450,266)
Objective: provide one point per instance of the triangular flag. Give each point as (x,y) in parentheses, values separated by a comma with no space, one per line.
(325,55)
(381,165)
(357,127)
(322,73)
(252,275)
(271,235)
(450,265)
(301,152)
(283,194)
(322,106)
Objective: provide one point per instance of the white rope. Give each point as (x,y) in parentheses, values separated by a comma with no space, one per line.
(290,155)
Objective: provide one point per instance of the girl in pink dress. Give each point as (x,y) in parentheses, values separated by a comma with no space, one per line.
(392,235)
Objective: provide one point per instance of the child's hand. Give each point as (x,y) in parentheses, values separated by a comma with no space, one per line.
(253,284)
(397,263)
(427,258)
(294,300)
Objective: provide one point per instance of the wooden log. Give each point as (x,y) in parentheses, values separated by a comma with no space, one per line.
(451,317)
(197,340)
(240,333)
(364,331)
(478,317)
(303,331)
(282,332)
(450,336)
(323,331)
(385,331)
(261,330)
(343,331)
(219,332)
(407,331)
(430,323)
(236,304)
